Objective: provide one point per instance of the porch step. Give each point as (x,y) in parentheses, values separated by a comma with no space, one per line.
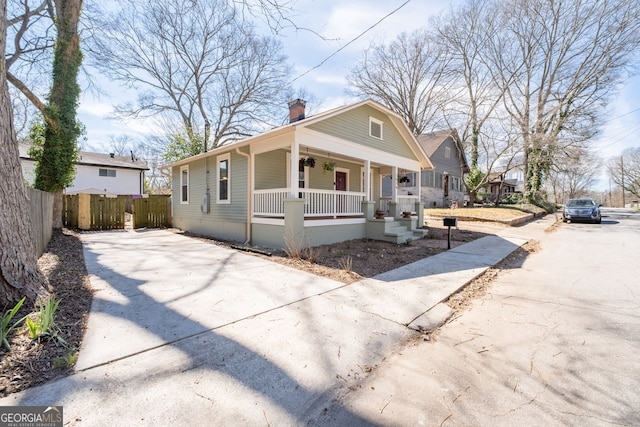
(420,232)
(399,233)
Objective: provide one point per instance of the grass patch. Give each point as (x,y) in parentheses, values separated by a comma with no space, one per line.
(487,214)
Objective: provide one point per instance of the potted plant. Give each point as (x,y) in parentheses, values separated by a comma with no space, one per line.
(328,166)
(379,214)
(403,179)
(309,161)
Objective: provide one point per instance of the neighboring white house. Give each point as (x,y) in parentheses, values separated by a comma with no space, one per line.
(96,173)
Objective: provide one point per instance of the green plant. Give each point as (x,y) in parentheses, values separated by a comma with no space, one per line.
(44,322)
(408,242)
(328,166)
(5,328)
(309,161)
(513,199)
(68,360)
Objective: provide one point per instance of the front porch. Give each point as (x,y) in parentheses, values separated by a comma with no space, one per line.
(328,190)
(327,204)
(323,217)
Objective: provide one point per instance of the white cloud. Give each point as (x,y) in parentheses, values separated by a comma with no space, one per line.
(97,109)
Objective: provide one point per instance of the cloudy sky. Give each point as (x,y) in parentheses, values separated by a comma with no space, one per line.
(339,22)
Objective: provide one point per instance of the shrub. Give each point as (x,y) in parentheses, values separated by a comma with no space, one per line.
(513,199)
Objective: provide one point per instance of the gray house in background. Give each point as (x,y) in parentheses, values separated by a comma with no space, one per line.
(444,184)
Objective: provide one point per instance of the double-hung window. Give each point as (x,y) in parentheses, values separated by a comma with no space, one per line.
(184,184)
(224,178)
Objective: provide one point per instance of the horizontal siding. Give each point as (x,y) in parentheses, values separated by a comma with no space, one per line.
(270,169)
(271,172)
(353,125)
(442,164)
(199,180)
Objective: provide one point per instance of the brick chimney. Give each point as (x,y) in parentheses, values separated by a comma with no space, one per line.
(296,110)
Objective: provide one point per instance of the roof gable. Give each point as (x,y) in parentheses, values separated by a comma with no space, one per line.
(431,142)
(411,148)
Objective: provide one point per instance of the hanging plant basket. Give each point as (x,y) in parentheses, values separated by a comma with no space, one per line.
(309,161)
(404,179)
(328,166)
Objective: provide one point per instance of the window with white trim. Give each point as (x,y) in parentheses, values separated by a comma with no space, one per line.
(184,184)
(375,128)
(223,194)
(447,152)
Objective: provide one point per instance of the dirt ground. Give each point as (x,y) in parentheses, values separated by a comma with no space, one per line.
(30,363)
(354,260)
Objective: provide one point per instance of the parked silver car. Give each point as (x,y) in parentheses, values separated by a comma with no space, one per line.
(584,209)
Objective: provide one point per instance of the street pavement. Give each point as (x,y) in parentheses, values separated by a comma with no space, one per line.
(554,342)
(184,332)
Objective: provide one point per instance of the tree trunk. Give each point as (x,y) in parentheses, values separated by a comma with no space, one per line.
(472,198)
(19,274)
(57,209)
(56,168)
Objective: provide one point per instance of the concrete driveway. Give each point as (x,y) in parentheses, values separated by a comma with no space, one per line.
(186,332)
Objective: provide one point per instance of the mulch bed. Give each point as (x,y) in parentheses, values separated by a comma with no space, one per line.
(33,362)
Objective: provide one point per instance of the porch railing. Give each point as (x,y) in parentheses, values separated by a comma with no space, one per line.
(317,203)
(407,203)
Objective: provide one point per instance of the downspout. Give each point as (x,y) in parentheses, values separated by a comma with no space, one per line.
(249,195)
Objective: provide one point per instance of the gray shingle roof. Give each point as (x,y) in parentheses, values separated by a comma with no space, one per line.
(97,159)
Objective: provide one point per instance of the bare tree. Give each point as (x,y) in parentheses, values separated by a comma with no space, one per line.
(121,145)
(624,171)
(470,37)
(567,58)
(410,76)
(573,174)
(30,39)
(19,273)
(196,63)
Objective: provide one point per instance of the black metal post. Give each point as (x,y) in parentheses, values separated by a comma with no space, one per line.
(450,222)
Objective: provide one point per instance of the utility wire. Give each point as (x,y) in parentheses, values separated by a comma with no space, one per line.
(351,41)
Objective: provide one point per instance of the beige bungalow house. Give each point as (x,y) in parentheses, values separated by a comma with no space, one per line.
(316,180)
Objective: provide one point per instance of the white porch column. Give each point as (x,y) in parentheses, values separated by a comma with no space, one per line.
(293,169)
(419,184)
(394,184)
(367,180)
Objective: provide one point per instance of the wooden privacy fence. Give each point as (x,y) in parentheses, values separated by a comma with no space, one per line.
(41,210)
(152,212)
(106,213)
(70,210)
(96,212)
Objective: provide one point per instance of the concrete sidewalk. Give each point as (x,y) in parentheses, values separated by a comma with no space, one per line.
(186,332)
